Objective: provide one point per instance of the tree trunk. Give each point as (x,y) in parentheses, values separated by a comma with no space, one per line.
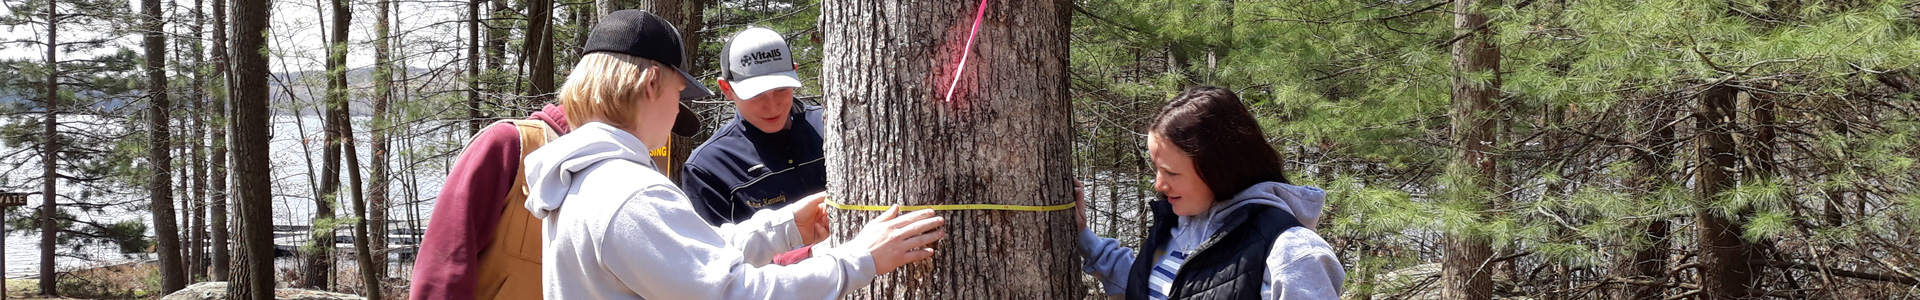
(1466,273)
(1003,139)
(183,204)
(160,185)
(49,162)
(319,265)
(1650,172)
(222,255)
(539,48)
(496,48)
(678,147)
(474,121)
(196,241)
(1724,272)
(251,173)
(369,277)
(691,32)
(378,183)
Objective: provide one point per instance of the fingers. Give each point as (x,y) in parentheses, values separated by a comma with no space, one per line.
(910,218)
(824,216)
(917,254)
(921,241)
(921,226)
(885,216)
(818,198)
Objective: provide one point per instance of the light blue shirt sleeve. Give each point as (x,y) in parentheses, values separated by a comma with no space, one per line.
(1107,260)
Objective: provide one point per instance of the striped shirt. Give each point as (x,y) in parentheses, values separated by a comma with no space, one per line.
(1162,279)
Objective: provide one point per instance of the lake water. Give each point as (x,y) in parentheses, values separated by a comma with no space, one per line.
(296,146)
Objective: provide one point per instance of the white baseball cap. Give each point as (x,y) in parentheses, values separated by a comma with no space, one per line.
(757,60)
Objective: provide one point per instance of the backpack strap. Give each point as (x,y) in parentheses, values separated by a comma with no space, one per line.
(533,134)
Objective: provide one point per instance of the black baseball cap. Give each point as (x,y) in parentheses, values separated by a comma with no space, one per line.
(645,35)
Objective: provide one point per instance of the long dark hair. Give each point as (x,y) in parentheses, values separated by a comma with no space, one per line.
(1230,151)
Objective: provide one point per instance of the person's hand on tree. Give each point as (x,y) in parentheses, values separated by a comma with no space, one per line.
(810,214)
(1080,203)
(895,240)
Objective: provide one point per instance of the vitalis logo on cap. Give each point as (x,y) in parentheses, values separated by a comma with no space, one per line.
(761,57)
(757,60)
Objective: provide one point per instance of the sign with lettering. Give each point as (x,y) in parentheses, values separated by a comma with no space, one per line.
(13,199)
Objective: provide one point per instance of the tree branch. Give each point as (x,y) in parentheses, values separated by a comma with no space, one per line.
(1836,272)
(1083,11)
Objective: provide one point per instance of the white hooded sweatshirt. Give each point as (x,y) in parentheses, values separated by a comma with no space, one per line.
(615,228)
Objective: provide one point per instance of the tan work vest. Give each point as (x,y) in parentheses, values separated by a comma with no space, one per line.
(510,266)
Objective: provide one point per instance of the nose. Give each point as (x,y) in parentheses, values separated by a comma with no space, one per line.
(1160,184)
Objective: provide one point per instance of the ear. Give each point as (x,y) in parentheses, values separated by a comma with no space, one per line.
(648,78)
(651,74)
(726,89)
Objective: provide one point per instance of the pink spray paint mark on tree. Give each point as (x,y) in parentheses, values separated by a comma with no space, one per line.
(961,68)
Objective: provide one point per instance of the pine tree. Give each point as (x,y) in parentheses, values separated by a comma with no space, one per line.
(249,125)
(222,253)
(160,187)
(1004,138)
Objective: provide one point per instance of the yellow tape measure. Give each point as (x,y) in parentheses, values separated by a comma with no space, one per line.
(905,208)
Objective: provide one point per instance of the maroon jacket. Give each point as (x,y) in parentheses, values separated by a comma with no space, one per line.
(467,211)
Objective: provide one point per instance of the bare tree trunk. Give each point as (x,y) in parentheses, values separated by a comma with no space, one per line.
(539,47)
(1466,272)
(250,121)
(473,67)
(320,258)
(679,147)
(381,123)
(196,241)
(49,161)
(368,270)
(160,185)
(691,31)
(1004,139)
(1724,271)
(222,255)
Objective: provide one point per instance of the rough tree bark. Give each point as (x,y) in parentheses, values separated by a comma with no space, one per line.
(217,194)
(160,185)
(1724,271)
(539,47)
(1466,272)
(253,251)
(679,147)
(1003,139)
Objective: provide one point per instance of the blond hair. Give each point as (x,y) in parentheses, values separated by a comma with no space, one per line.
(607,86)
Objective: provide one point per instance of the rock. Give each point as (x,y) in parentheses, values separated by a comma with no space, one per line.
(217,290)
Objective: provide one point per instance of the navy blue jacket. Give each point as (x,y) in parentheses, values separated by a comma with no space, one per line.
(741,170)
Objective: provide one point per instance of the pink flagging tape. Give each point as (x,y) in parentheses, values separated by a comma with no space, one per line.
(978,17)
